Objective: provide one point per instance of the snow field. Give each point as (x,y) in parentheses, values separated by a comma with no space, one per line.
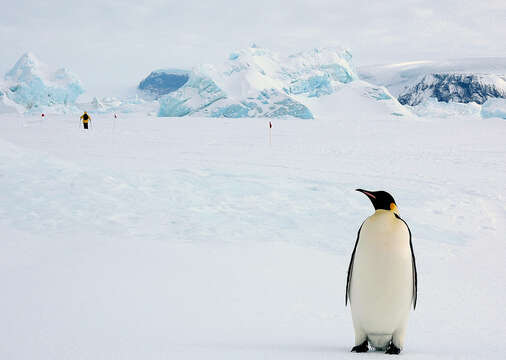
(188,238)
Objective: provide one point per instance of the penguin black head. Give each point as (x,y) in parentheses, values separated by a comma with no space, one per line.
(381,200)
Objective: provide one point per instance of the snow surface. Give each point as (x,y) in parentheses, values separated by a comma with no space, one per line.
(197,238)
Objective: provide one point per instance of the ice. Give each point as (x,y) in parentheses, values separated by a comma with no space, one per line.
(494,108)
(257,82)
(31,84)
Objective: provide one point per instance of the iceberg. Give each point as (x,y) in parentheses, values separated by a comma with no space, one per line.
(256,82)
(31,84)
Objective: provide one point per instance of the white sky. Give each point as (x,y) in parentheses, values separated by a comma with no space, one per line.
(113,44)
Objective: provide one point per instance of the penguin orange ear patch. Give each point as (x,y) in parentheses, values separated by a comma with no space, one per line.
(393,206)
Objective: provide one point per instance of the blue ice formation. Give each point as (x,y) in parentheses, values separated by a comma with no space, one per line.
(161,82)
(319,72)
(270,103)
(494,108)
(256,82)
(198,93)
(30,84)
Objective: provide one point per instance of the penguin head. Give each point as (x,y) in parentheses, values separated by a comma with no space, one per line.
(381,200)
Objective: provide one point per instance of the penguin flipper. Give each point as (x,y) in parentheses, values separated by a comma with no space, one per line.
(413,262)
(350,269)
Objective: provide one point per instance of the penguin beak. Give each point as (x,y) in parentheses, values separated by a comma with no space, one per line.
(368,193)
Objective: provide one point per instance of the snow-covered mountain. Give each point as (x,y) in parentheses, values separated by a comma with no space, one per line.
(257,82)
(445,88)
(397,77)
(455,87)
(33,85)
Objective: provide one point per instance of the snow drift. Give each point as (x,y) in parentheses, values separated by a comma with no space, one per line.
(33,85)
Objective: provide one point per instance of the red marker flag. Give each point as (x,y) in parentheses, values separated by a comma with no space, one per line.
(270,125)
(42,114)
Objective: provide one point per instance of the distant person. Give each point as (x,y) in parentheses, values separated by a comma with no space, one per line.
(85,118)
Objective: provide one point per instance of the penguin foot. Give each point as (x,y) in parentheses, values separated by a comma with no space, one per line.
(392,349)
(361,348)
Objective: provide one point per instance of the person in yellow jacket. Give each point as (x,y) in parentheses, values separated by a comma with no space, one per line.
(85,118)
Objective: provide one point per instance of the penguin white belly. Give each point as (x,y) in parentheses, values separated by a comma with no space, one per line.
(382,283)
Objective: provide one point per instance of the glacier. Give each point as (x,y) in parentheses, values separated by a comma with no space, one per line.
(257,82)
(31,84)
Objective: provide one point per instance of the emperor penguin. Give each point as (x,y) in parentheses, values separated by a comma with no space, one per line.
(382,278)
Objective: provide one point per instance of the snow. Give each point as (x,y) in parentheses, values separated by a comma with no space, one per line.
(494,108)
(31,84)
(7,105)
(440,109)
(256,82)
(151,238)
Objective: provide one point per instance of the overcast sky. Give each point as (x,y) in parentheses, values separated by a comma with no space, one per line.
(112,44)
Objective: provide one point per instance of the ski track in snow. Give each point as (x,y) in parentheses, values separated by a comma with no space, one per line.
(191,238)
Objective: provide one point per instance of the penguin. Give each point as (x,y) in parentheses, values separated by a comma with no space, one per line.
(382,278)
